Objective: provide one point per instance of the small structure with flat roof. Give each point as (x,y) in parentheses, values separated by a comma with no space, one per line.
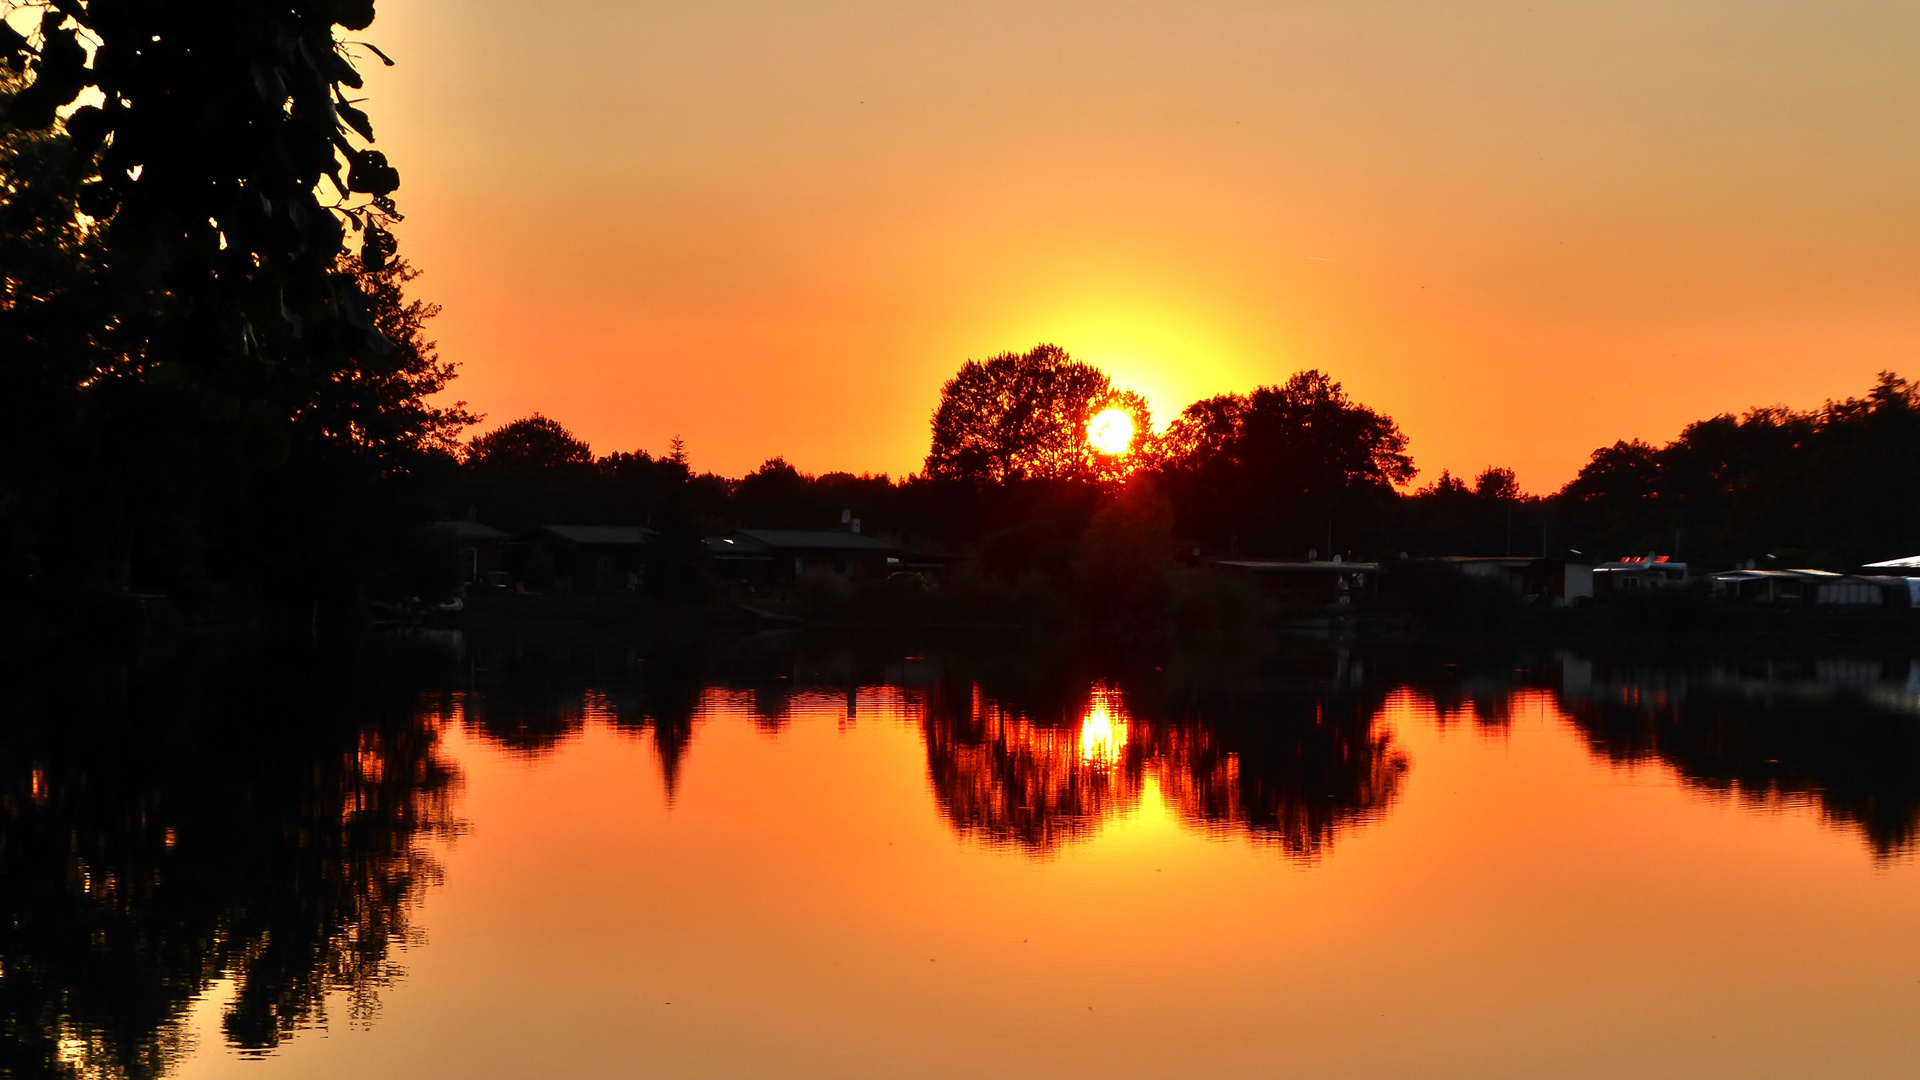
(1311,581)
(1811,587)
(1638,573)
(774,558)
(1556,581)
(581,558)
(479,547)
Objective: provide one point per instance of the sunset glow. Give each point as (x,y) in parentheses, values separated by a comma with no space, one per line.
(1103,733)
(1111,432)
(1460,216)
(875,538)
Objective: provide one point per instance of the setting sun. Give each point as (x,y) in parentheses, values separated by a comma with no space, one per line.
(1111,432)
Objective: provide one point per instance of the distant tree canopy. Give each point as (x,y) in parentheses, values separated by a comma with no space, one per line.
(1278,465)
(1024,416)
(532,443)
(1834,486)
(1281,471)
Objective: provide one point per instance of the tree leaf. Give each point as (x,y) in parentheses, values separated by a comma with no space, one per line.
(32,109)
(353,14)
(355,119)
(13,45)
(369,172)
(87,127)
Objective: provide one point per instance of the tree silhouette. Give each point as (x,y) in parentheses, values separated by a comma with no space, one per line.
(1279,463)
(1497,483)
(219,374)
(532,443)
(1023,416)
(1829,487)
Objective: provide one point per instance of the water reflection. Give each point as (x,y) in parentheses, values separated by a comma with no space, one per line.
(167,827)
(1774,726)
(1034,747)
(1838,735)
(1290,769)
(1006,775)
(263,830)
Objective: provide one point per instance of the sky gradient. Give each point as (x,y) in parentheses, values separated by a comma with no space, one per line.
(1523,231)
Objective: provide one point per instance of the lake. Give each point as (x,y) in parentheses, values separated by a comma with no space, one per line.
(515,854)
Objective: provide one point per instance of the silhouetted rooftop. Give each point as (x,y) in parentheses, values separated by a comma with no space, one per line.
(595,535)
(815,539)
(1289,566)
(468,530)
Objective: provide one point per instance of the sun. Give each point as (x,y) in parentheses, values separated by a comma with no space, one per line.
(1111,432)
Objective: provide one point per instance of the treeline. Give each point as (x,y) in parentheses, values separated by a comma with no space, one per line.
(218,389)
(1288,470)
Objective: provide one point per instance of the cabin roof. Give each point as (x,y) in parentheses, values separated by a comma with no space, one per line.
(1909,563)
(594,535)
(1286,566)
(801,540)
(1517,561)
(468,530)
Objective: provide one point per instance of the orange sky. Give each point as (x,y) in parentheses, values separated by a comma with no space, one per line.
(1521,230)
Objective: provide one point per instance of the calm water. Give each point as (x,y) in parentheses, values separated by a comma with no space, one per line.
(458,856)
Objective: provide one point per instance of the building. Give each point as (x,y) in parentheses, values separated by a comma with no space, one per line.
(1310,582)
(1825,588)
(479,548)
(1907,567)
(580,558)
(774,558)
(1638,573)
(1557,581)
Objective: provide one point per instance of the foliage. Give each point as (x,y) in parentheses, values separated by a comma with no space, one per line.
(1279,464)
(217,122)
(1491,516)
(1023,416)
(1830,487)
(532,443)
(213,389)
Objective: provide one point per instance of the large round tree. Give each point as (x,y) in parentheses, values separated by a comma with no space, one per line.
(1024,416)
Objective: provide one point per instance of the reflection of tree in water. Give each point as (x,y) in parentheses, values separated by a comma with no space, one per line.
(1295,773)
(1787,744)
(1290,770)
(1012,757)
(161,832)
(1008,778)
(1770,725)
(531,694)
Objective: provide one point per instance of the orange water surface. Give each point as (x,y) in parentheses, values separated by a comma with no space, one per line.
(923,880)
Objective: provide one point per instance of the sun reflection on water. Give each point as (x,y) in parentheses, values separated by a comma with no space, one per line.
(1103,732)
